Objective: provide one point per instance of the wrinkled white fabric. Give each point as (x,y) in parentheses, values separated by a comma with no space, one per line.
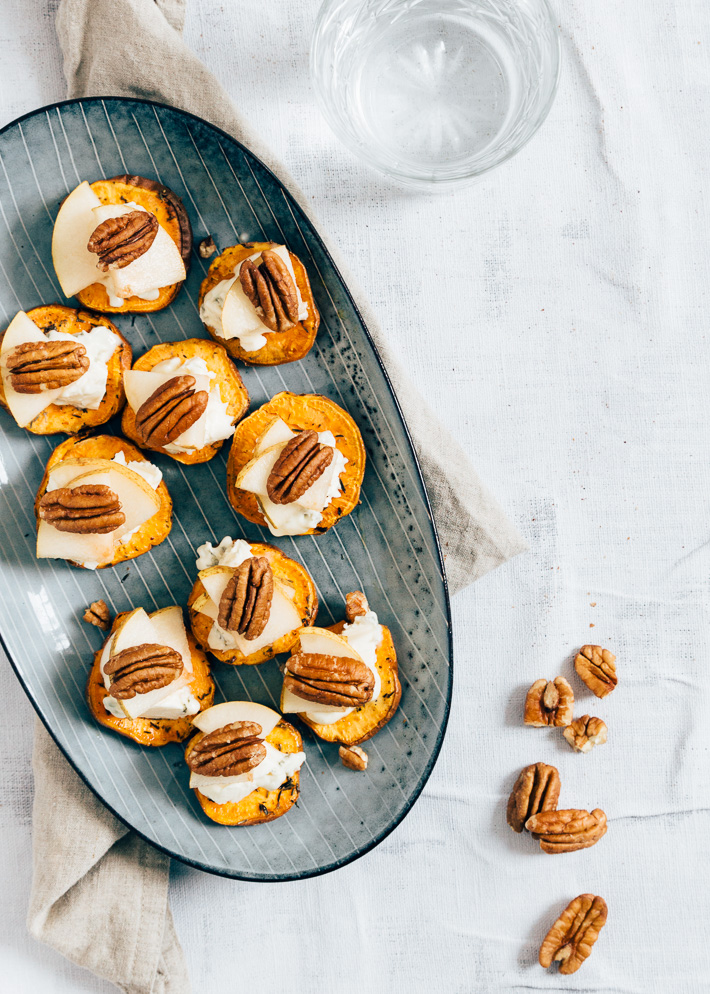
(572,364)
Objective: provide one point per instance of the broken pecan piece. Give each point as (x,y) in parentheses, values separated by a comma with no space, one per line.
(567,830)
(38,366)
(118,241)
(353,758)
(302,461)
(246,602)
(89,509)
(355,605)
(270,287)
(596,667)
(549,703)
(170,410)
(334,680)
(586,732)
(142,668)
(536,789)
(97,613)
(569,942)
(228,751)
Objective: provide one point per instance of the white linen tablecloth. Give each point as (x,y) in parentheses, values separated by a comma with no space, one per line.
(561,334)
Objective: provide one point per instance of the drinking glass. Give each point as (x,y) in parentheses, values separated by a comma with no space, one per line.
(435,92)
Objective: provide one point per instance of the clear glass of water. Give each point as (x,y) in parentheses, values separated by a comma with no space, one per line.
(435,92)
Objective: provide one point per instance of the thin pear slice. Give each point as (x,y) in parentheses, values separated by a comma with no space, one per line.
(254,475)
(239,315)
(75,266)
(24,407)
(169,625)
(160,266)
(230,711)
(277,433)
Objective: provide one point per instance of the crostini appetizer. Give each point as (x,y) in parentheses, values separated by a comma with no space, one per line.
(244,763)
(256,300)
(149,678)
(122,244)
(250,601)
(343,681)
(100,502)
(296,465)
(62,369)
(183,399)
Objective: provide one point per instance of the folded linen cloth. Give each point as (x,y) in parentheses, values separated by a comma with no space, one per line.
(99,894)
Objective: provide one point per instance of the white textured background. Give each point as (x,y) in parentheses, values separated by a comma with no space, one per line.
(560,331)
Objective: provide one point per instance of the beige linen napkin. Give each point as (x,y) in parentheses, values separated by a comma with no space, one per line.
(99,894)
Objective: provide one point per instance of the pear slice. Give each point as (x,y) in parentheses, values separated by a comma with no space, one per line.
(283,616)
(254,475)
(239,317)
(135,629)
(24,407)
(67,470)
(75,266)
(277,433)
(169,625)
(162,265)
(230,711)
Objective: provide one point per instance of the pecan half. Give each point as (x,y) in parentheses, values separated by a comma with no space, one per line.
(302,461)
(353,758)
(118,241)
(536,789)
(549,703)
(596,667)
(568,830)
(142,668)
(586,732)
(97,613)
(170,410)
(89,509)
(38,366)
(228,751)
(569,942)
(355,605)
(246,602)
(270,287)
(334,680)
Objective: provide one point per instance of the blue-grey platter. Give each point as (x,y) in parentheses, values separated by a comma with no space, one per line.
(387,547)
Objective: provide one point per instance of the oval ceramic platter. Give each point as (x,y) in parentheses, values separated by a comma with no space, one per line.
(386,547)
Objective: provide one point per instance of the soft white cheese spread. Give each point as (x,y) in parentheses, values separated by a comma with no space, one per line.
(271,773)
(150,472)
(89,390)
(228,553)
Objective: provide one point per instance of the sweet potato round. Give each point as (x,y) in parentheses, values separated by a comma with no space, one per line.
(299,411)
(288,572)
(281,346)
(65,417)
(261,805)
(231,389)
(171,214)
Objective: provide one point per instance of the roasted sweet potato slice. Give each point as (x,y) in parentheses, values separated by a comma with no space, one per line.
(155,529)
(299,411)
(231,389)
(261,805)
(151,731)
(171,214)
(281,346)
(288,572)
(65,417)
(365,721)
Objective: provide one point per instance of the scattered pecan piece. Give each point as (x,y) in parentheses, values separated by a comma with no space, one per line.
(142,668)
(586,732)
(170,410)
(207,247)
(567,830)
(353,757)
(569,942)
(271,289)
(228,751)
(97,613)
(246,602)
(549,703)
(536,789)
(89,509)
(596,667)
(38,366)
(302,461)
(118,241)
(355,605)
(334,680)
